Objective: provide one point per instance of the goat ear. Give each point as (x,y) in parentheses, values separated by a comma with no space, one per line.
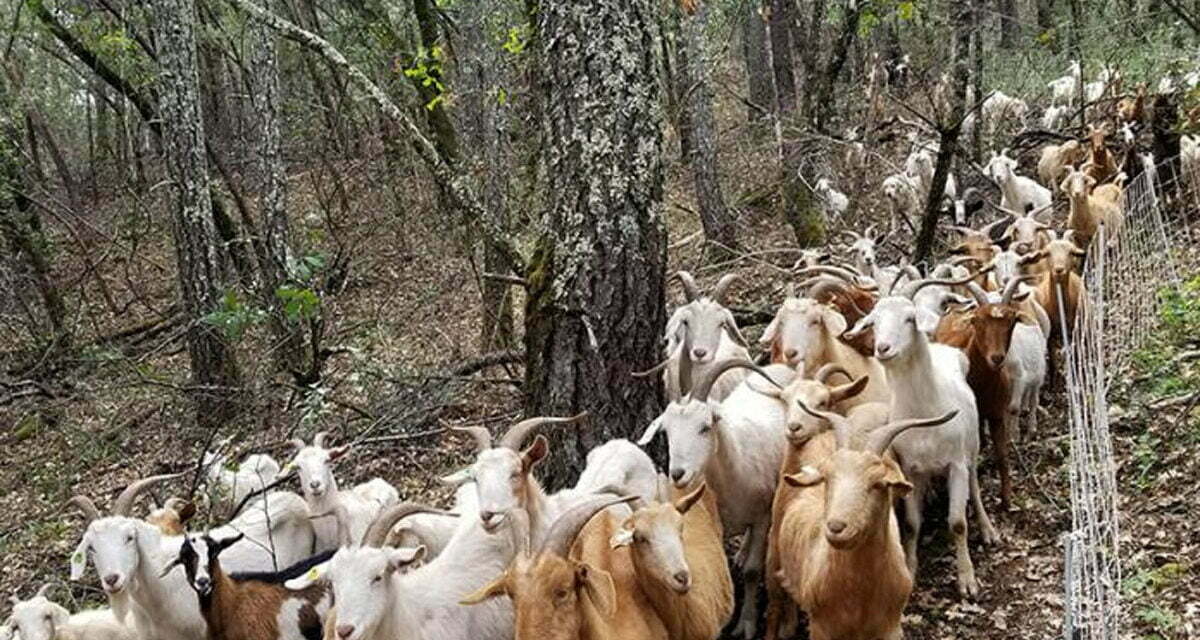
(534,454)
(927,321)
(864,323)
(599,586)
(685,503)
(896,481)
(806,477)
(769,334)
(650,432)
(1021,297)
(493,589)
(458,478)
(406,559)
(622,538)
(958,249)
(848,390)
(79,557)
(186,512)
(229,542)
(834,321)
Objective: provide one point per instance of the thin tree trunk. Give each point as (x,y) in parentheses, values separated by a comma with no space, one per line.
(596,284)
(720,231)
(682,87)
(57,157)
(964,16)
(202,278)
(754,54)
(779,34)
(1009,23)
(19,225)
(977,92)
(1045,17)
(852,11)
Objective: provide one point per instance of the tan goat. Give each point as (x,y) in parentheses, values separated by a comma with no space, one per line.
(839,544)
(575,587)
(1056,158)
(1060,255)
(1088,210)
(680,562)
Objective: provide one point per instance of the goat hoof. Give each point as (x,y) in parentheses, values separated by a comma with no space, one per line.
(968,587)
(745,629)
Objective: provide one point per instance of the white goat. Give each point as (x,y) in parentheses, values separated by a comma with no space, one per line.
(834,201)
(315,466)
(713,332)
(1054,117)
(232,483)
(40,619)
(1016,192)
(737,446)
(1063,89)
(930,379)
(920,167)
(998,107)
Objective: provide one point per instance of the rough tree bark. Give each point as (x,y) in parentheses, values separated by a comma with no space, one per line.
(964,18)
(202,277)
(276,245)
(596,283)
(720,231)
(754,53)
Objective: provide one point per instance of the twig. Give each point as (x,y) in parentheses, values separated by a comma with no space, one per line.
(502,277)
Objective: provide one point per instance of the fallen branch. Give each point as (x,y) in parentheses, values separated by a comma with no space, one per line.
(486,360)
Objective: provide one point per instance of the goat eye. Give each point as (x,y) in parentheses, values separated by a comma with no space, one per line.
(705,429)
(560,594)
(377,579)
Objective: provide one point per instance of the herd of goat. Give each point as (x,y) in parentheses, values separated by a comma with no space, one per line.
(874,385)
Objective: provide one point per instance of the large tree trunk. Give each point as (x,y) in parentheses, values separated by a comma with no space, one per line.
(964,16)
(202,276)
(596,284)
(720,232)
(779,34)
(754,52)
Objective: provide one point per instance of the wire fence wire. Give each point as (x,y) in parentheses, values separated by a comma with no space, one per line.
(1124,273)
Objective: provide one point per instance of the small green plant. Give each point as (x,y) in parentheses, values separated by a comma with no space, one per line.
(1152,581)
(1180,310)
(1146,455)
(234,316)
(1164,622)
(426,69)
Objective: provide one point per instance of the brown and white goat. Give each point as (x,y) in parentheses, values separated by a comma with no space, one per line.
(252,606)
(985,334)
(171,518)
(849,294)
(840,554)
(680,562)
(977,244)
(575,586)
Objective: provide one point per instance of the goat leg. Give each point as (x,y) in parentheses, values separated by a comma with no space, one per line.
(959,489)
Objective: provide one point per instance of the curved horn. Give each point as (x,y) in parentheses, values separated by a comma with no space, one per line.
(1010,290)
(297,443)
(959,260)
(881,438)
(85,504)
(43,590)
(852,233)
(690,290)
(977,292)
(704,385)
(841,426)
(966,195)
(848,267)
(962,230)
(837,289)
(869,234)
(987,228)
(828,270)
(722,288)
(828,369)
(124,502)
(483,437)
(653,370)
(636,501)
(320,438)
(376,534)
(515,436)
(564,530)
(911,289)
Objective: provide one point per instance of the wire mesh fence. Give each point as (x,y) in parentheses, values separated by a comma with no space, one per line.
(1124,272)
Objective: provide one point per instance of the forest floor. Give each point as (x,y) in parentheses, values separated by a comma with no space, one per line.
(404,312)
